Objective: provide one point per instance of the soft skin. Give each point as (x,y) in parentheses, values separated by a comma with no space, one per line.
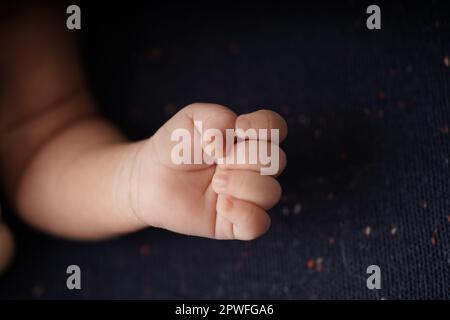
(71,173)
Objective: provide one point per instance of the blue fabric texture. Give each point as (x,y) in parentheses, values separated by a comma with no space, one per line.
(368,175)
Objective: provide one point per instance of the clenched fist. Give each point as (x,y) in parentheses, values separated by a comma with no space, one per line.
(215,198)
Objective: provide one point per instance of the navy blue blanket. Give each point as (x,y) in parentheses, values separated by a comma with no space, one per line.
(368,175)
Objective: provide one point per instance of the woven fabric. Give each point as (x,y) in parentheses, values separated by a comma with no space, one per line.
(368,172)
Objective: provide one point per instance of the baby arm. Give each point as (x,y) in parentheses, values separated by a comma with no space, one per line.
(60,163)
(71,173)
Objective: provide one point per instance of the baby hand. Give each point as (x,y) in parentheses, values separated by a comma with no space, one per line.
(216,195)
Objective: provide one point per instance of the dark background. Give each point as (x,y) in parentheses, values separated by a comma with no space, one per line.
(368,176)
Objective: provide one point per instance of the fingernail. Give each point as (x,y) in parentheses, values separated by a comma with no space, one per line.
(243,123)
(220,180)
(227,203)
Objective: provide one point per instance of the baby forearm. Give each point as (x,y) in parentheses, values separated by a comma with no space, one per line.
(77,186)
(41,86)
(59,163)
